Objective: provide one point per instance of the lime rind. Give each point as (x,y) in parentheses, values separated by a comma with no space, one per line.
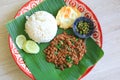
(20,41)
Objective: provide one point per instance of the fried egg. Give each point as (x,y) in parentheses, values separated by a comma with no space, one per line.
(66,16)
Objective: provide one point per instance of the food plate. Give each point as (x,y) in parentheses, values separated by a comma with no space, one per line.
(97,36)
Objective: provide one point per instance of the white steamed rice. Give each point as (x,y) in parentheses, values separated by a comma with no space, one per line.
(41,26)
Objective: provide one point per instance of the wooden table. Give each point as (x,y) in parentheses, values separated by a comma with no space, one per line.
(107,12)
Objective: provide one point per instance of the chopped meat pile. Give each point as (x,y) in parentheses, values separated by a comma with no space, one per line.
(65,50)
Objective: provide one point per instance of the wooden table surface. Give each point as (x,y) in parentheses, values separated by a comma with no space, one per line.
(107,12)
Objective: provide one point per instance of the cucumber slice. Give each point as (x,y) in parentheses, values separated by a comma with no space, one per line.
(31,47)
(20,41)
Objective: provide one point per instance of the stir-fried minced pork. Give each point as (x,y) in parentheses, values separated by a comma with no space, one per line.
(65,50)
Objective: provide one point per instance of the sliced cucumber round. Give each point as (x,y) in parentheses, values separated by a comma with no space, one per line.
(20,41)
(31,47)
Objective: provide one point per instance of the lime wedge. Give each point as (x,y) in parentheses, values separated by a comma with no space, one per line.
(31,47)
(20,41)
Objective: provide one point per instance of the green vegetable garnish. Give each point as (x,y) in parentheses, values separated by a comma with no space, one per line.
(68,48)
(83,27)
(68,59)
(76,39)
(72,41)
(56,53)
(61,42)
(59,45)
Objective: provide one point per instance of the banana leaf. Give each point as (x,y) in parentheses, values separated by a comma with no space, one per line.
(37,64)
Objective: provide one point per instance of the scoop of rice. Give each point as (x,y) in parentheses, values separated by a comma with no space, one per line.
(41,26)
